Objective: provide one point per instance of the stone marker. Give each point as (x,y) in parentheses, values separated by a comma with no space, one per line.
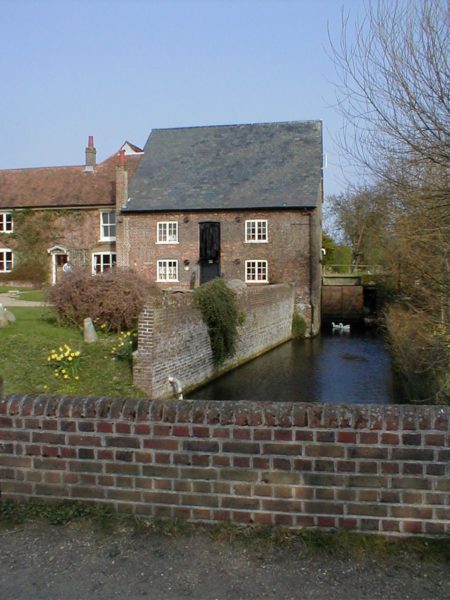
(6,316)
(11,318)
(90,335)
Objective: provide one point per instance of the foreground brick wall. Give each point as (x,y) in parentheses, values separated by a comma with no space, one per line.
(173,339)
(367,468)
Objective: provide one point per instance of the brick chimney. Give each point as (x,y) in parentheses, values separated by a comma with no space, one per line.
(121,182)
(91,154)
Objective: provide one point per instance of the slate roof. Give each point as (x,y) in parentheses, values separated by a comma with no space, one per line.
(59,187)
(263,165)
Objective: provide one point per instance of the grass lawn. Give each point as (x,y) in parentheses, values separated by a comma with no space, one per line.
(26,293)
(26,344)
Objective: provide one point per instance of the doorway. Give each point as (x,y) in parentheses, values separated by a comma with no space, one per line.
(209,251)
(59,256)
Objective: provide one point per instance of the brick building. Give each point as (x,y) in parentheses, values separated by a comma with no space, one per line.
(240,202)
(52,215)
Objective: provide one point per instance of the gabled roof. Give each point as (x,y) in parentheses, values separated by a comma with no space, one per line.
(264,165)
(131,148)
(55,187)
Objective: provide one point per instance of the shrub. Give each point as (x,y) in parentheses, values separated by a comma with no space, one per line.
(420,354)
(219,309)
(29,271)
(114,298)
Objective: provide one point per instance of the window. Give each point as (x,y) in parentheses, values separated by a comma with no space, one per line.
(6,222)
(256,230)
(107,226)
(167,270)
(103,261)
(6,261)
(256,271)
(167,232)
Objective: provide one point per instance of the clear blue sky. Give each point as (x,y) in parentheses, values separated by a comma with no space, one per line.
(116,69)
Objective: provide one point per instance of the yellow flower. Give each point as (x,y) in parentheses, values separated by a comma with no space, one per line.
(76,377)
(77,353)
(56,374)
(70,358)
(66,376)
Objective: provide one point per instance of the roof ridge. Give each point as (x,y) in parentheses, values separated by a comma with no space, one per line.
(305,121)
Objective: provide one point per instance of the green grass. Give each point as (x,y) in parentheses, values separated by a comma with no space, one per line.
(26,344)
(33,295)
(26,293)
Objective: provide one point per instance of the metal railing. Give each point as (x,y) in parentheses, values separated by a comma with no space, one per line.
(353,270)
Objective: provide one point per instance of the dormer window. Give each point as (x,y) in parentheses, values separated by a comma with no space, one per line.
(6,222)
(107,226)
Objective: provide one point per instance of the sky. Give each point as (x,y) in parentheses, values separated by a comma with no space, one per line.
(117,69)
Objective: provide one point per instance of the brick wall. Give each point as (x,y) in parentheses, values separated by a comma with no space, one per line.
(173,339)
(76,229)
(381,469)
(292,249)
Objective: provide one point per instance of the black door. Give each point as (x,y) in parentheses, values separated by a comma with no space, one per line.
(209,251)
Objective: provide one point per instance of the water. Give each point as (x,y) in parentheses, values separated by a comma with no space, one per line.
(337,368)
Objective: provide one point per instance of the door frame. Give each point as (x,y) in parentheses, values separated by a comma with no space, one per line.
(55,251)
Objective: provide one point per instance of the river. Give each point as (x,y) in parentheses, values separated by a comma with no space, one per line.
(333,367)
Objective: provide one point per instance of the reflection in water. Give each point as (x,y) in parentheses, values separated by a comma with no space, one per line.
(335,368)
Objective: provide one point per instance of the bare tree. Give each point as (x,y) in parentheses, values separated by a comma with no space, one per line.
(394,88)
(360,216)
(394,96)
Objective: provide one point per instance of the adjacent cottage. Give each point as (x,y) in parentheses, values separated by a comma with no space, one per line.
(54,216)
(238,202)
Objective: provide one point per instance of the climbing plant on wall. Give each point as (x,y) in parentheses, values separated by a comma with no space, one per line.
(33,232)
(219,309)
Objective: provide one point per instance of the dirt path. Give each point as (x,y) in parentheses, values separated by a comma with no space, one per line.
(38,561)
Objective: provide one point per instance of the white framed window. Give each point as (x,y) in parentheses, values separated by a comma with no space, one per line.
(107,225)
(167,232)
(6,222)
(6,260)
(167,270)
(256,271)
(256,230)
(103,261)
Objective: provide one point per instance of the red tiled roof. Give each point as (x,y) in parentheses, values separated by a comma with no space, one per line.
(56,187)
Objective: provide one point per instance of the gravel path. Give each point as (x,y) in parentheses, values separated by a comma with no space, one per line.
(38,561)
(7,300)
